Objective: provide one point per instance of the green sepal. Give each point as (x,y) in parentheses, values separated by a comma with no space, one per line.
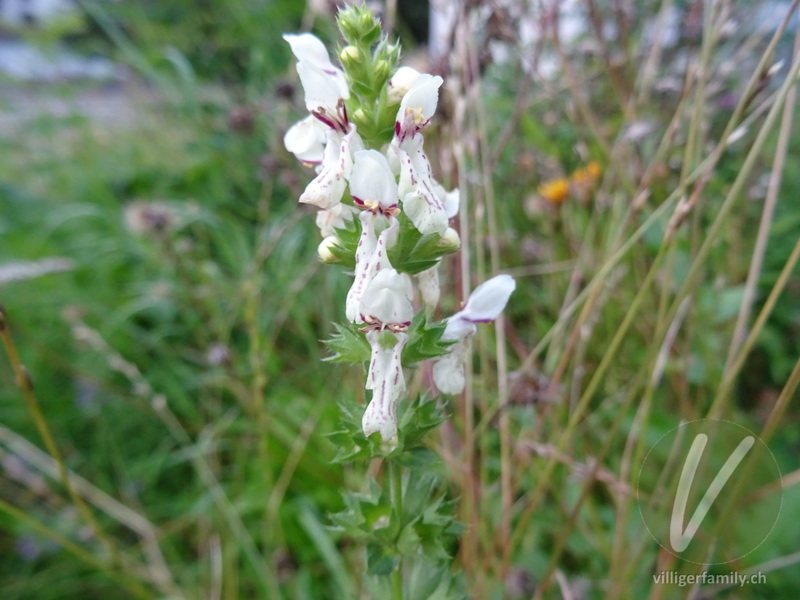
(348,345)
(415,252)
(345,248)
(424,340)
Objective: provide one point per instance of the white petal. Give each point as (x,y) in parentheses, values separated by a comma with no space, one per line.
(402,81)
(428,216)
(420,201)
(306,140)
(451,201)
(372,181)
(448,371)
(322,93)
(429,288)
(335,218)
(418,105)
(485,304)
(489,299)
(386,380)
(327,188)
(308,49)
(458,328)
(371,257)
(387,299)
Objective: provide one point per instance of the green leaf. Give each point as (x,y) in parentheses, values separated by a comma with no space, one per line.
(416,418)
(415,252)
(348,345)
(424,340)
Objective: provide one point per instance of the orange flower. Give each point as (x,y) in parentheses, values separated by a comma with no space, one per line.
(555,190)
(587,176)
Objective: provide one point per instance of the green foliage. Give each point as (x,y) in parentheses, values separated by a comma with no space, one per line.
(348,345)
(344,251)
(426,526)
(415,418)
(424,340)
(415,252)
(233,41)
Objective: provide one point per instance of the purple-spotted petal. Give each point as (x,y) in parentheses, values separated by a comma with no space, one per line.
(371,257)
(385,379)
(416,188)
(418,106)
(327,188)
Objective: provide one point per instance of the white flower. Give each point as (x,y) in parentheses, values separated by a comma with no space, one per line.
(417,188)
(417,106)
(309,50)
(327,188)
(331,141)
(385,379)
(485,304)
(371,257)
(306,140)
(402,81)
(372,183)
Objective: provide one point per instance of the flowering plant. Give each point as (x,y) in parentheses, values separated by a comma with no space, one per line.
(382,213)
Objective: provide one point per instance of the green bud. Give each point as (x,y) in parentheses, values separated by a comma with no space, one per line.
(350,56)
(360,117)
(382,69)
(359,26)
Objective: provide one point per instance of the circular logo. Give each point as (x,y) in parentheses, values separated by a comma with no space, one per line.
(709,491)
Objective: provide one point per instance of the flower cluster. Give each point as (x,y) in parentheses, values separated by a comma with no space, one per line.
(383,189)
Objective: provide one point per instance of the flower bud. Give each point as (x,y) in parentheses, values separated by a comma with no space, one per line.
(450,241)
(359,25)
(360,118)
(349,56)
(381,70)
(324,250)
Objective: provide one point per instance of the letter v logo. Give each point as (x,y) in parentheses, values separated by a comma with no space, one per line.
(679,538)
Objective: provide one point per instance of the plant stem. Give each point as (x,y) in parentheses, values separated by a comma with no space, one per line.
(396,485)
